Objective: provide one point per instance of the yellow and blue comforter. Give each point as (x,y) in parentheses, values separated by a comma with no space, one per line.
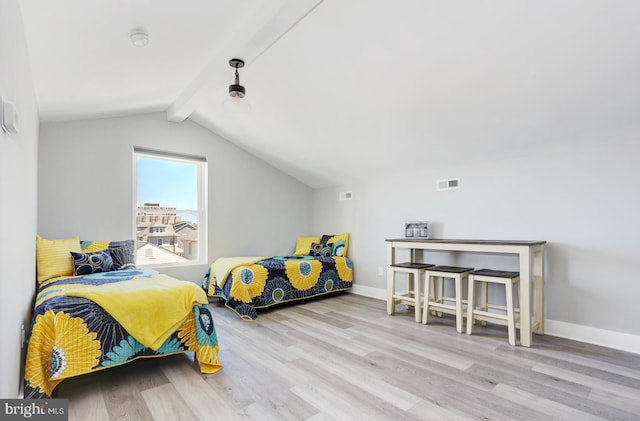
(88,323)
(248,284)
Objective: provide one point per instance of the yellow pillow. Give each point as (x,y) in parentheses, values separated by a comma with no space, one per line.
(53,257)
(340,243)
(303,245)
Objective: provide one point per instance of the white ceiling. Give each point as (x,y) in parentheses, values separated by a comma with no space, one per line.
(343,89)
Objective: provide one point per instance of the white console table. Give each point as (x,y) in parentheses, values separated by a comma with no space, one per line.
(531,257)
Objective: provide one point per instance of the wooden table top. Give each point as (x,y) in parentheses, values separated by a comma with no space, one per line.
(467,241)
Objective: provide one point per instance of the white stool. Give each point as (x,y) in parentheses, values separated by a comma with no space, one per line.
(507,315)
(438,302)
(413,296)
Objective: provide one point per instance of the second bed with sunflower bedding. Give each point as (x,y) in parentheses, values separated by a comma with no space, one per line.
(251,283)
(318,266)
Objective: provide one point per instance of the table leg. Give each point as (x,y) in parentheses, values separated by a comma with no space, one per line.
(538,290)
(525,298)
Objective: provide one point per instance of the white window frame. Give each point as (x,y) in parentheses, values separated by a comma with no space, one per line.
(202,210)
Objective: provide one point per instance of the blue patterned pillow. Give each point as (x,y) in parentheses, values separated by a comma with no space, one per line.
(88,263)
(321,250)
(340,243)
(123,254)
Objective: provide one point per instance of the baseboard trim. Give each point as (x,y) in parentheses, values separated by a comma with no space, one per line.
(592,335)
(370,292)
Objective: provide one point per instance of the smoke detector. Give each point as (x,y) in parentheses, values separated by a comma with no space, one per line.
(139,37)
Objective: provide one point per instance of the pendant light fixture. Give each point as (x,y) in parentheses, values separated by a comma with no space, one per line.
(236,90)
(236,104)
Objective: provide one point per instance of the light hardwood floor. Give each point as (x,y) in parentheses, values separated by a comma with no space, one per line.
(344,358)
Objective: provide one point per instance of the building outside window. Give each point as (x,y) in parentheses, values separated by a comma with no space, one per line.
(170,212)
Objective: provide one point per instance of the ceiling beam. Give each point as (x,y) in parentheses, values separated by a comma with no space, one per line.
(255,35)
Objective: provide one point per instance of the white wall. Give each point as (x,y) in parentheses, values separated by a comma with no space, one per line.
(18,193)
(85,187)
(583,198)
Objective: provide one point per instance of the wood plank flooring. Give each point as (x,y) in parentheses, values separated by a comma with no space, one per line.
(344,358)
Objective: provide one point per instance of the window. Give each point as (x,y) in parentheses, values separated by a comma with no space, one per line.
(170,216)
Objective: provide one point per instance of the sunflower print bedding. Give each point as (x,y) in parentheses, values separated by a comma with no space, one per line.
(71,334)
(265,282)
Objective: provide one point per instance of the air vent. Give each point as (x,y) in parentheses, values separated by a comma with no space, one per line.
(448,184)
(345,195)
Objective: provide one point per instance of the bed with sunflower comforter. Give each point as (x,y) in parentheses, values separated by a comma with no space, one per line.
(87,323)
(247,284)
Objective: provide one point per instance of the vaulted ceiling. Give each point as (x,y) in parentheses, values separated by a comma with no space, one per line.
(343,89)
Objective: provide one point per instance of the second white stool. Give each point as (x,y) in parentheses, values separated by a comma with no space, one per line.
(437,301)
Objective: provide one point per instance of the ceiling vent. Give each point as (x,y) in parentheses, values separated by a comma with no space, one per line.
(448,184)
